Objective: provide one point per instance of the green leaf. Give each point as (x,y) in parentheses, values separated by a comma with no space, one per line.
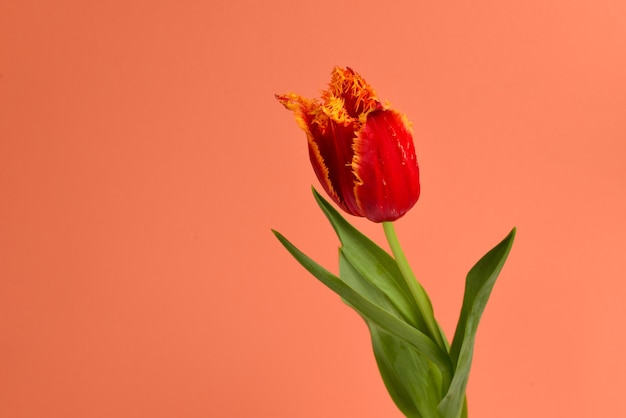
(417,371)
(374,264)
(371,311)
(478,285)
(414,383)
(349,275)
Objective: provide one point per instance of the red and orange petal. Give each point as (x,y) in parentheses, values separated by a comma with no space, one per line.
(329,140)
(311,120)
(335,147)
(357,95)
(303,109)
(386,167)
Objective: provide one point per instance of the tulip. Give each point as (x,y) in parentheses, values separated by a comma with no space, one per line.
(362,151)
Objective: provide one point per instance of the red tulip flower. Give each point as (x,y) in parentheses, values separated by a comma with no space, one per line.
(363,155)
(361,150)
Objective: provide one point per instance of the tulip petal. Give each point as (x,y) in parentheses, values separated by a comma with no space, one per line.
(334,143)
(357,95)
(386,167)
(330,134)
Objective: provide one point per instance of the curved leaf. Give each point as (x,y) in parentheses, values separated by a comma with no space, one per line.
(413,382)
(375,265)
(371,311)
(478,285)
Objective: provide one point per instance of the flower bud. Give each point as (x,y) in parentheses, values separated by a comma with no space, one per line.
(361,150)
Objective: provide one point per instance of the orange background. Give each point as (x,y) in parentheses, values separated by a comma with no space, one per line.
(143,161)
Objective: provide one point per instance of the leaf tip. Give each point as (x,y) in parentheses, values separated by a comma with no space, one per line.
(278,235)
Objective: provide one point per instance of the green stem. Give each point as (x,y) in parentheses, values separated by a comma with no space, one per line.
(417,291)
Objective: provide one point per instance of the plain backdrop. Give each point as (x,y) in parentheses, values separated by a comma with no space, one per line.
(144,159)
